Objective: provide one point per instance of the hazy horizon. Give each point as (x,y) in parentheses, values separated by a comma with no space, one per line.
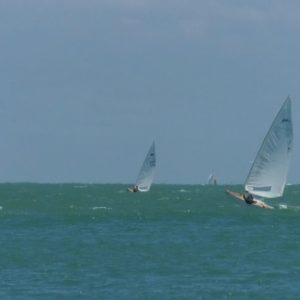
(86,86)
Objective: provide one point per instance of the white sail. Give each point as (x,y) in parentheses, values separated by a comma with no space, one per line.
(146,174)
(212,180)
(268,174)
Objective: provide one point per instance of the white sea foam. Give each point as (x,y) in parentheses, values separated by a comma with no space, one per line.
(283,206)
(101,207)
(82,186)
(290,207)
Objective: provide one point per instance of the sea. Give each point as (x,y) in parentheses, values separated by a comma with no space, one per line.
(98,241)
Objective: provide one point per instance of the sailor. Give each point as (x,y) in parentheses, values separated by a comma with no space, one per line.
(248,198)
(136,189)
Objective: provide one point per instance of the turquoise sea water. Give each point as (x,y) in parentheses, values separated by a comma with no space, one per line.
(73,241)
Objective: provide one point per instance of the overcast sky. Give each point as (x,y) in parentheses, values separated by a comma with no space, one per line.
(86,86)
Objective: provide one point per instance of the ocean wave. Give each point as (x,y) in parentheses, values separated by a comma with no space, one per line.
(101,207)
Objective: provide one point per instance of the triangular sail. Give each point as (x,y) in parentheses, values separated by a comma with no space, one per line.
(146,174)
(268,174)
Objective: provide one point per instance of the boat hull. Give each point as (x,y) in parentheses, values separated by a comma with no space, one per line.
(258,203)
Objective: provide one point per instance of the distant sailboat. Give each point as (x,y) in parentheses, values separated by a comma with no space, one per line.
(212,180)
(146,174)
(268,174)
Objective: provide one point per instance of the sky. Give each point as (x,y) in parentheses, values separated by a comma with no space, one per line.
(86,86)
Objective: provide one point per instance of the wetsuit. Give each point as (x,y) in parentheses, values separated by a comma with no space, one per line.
(249,199)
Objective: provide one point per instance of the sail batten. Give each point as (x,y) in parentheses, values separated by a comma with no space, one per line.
(146,174)
(268,174)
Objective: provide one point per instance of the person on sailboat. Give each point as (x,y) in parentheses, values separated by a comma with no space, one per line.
(136,189)
(248,198)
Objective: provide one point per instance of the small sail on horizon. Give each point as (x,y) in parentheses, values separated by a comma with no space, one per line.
(268,174)
(212,180)
(146,174)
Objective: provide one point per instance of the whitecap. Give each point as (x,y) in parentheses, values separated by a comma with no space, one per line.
(283,206)
(80,186)
(101,207)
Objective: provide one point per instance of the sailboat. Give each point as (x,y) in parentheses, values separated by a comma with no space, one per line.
(268,174)
(146,174)
(212,179)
